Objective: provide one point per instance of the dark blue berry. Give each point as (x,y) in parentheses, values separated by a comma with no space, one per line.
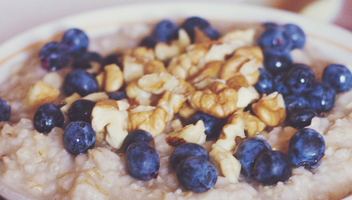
(186,150)
(196,174)
(322,97)
(300,79)
(81,110)
(54,56)
(114,59)
(137,136)
(117,95)
(78,137)
(211,33)
(247,151)
(270,25)
(300,118)
(76,40)
(165,31)
(47,117)
(279,84)
(306,148)
(142,161)
(277,63)
(86,60)
(212,124)
(81,82)
(293,102)
(5,111)
(338,77)
(275,40)
(265,82)
(191,23)
(271,167)
(296,34)
(148,42)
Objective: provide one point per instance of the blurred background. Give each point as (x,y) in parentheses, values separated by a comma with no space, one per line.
(17,16)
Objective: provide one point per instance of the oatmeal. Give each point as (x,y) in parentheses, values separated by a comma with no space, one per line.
(198,87)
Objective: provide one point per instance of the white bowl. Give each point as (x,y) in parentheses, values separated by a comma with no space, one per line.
(331,43)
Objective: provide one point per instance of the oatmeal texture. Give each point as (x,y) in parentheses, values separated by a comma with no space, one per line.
(39,163)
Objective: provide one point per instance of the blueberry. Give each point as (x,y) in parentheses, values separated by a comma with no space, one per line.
(277,63)
(115,58)
(86,60)
(5,111)
(191,23)
(148,42)
(81,82)
(265,82)
(275,40)
(76,40)
(293,102)
(300,79)
(212,124)
(81,110)
(211,33)
(137,136)
(78,137)
(47,117)
(186,150)
(296,34)
(300,118)
(54,56)
(267,25)
(338,77)
(117,95)
(142,161)
(279,84)
(196,174)
(322,98)
(271,167)
(306,148)
(165,31)
(247,151)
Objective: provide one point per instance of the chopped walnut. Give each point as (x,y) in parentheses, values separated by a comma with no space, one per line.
(234,127)
(113,78)
(219,101)
(157,83)
(250,71)
(190,133)
(200,36)
(252,124)
(97,96)
(185,88)
(237,81)
(180,66)
(172,103)
(133,68)
(232,66)
(206,76)
(187,111)
(39,94)
(140,96)
(148,118)
(154,66)
(270,109)
(198,51)
(68,101)
(176,125)
(53,79)
(100,80)
(251,52)
(246,96)
(240,38)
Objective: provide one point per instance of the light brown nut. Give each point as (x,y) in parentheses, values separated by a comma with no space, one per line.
(246,96)
(219,52)
(164,51)
(148,118)
(53,79)
(142,97)
(200,36)
(154,66)
(39,94)
(176,125)
(250,71)
(187,111)
(100,80)
(157,83)
(179,66)
(225,162)
(234,127)
(95,67)
(232,66)
(183,40)
(97,96)
(251,52)
(270,109)
(68,101)
(198,51)
(219,101)
(142,53)
(190,133)
(206,76)
(253,124)
(185,88)
(113,78)
(109,121)
(239,38)
(172,103)
(133,68)
(237,81)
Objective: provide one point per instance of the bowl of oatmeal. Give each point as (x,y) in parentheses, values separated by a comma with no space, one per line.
(37,165)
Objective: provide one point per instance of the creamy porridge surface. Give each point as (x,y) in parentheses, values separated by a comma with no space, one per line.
(39,164)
